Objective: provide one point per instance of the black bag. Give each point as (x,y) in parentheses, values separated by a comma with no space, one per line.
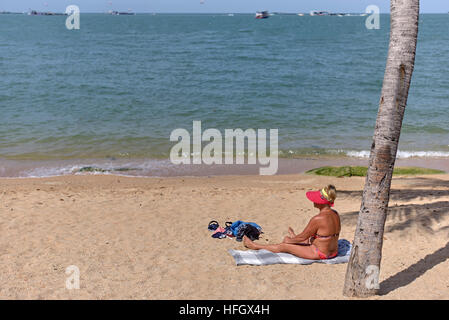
(248,230)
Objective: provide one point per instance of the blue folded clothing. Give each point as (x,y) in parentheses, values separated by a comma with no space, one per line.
(219,235)
(237,224)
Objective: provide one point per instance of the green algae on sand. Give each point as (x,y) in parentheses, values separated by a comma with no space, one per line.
(359,171)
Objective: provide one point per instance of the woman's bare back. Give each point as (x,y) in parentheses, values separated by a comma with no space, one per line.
(326,237)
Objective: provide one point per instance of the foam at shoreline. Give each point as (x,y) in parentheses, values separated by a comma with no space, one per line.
(164,168)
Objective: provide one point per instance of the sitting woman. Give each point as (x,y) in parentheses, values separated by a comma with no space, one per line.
(319,240)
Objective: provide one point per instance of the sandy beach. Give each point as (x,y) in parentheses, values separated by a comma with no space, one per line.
(147,238)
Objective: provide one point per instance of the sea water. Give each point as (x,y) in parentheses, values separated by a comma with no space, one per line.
(115,89)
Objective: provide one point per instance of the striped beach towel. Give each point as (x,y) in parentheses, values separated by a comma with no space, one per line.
(264,257)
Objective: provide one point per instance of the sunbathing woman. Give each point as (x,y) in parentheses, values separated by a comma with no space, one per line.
(319,240)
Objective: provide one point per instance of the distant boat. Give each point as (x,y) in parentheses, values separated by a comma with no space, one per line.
(230,15)
(7,12)
(319,13)
(37,13)
(262,15)
(117,13)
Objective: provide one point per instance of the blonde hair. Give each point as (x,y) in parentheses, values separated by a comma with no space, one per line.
(330,192)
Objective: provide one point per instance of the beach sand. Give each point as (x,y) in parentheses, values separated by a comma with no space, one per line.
(147,238)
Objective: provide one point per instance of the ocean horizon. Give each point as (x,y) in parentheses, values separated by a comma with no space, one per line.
(114,90)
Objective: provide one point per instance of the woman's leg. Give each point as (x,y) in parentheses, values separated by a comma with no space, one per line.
(306,252)
(305,243)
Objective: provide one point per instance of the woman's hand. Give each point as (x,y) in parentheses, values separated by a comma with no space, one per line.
(288,240)
(291,232)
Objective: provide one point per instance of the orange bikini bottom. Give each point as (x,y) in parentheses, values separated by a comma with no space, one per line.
(323,256)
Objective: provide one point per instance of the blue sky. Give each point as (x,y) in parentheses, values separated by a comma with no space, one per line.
(427,6)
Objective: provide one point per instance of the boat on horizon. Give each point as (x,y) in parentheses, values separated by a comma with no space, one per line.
(262,15)
(124,13)
(8,12)
(37,13)
(319,13)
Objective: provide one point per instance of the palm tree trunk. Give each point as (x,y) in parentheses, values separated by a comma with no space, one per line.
(364,265)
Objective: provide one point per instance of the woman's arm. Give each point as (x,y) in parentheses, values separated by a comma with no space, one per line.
(310,230)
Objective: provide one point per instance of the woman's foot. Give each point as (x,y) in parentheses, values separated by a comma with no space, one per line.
(248,243)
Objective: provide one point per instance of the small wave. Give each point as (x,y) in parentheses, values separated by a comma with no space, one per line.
(41,169)
(45,172)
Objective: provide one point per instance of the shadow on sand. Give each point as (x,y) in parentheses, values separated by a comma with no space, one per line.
(413,272)
(420,216)
(404,217)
